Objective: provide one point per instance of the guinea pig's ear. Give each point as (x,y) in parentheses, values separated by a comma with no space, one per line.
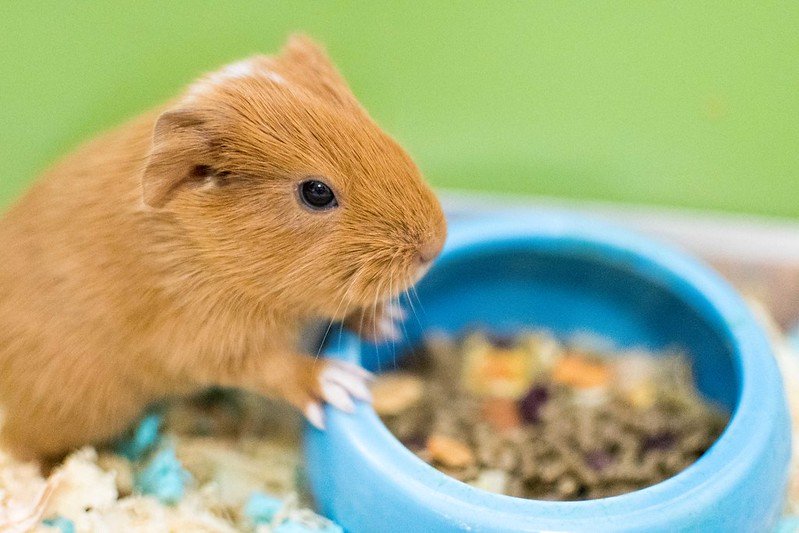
(179,156)
(308,65)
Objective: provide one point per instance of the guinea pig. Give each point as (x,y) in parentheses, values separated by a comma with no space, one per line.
(198,245)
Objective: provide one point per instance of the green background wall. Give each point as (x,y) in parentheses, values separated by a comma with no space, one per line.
(691,103)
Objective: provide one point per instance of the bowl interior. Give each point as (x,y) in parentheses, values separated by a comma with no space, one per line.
(566,291)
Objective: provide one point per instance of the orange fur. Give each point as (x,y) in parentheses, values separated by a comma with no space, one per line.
(172,253)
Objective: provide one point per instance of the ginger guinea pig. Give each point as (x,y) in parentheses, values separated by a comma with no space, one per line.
(198,244)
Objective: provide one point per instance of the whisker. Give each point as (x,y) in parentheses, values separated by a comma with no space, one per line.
(359,272)
(330,324)
(393,343)
(418,299)
(406,336)
(346,307)
(410,304)
(374,327)
(413,307)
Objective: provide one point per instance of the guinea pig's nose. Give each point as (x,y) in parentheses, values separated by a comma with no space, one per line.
(430,249)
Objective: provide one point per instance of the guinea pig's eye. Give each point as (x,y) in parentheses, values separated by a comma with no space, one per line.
(317,195)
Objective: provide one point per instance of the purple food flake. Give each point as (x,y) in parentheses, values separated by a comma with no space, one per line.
(501,342)
(598,460)
(664,440)
(531,404)
(415,442)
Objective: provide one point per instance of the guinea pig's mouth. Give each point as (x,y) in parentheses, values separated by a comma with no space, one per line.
(400,274)
(408,281)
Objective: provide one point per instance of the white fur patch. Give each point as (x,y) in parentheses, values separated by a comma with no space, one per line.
(235,71)
(275,77)
(242,69)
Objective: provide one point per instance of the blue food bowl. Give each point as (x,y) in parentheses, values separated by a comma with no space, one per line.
(569,275)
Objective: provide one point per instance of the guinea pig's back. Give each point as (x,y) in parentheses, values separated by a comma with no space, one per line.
(68,247)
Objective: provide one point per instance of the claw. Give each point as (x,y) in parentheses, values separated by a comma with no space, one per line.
(352,369)
(337,396)
(315,415)
(340,383)
(346,378)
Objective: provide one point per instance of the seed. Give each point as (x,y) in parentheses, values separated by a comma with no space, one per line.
(507,458)
(396,392)
(491,480)
(515,487)
(449,452)
(501,413)
(567,485)
(465,474)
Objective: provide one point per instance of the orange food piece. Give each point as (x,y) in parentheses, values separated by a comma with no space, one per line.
(498,372)
(501,413)
(394,393)
(449,452)
(580,372)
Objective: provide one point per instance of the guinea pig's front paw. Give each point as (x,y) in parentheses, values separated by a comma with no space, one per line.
(338,384)
(378,324)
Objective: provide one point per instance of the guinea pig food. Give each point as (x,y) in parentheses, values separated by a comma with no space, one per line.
(533,417)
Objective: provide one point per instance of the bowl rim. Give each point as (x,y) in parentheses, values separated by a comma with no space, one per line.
(738,449)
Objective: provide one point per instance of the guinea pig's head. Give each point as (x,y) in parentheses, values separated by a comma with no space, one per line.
(286,190)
